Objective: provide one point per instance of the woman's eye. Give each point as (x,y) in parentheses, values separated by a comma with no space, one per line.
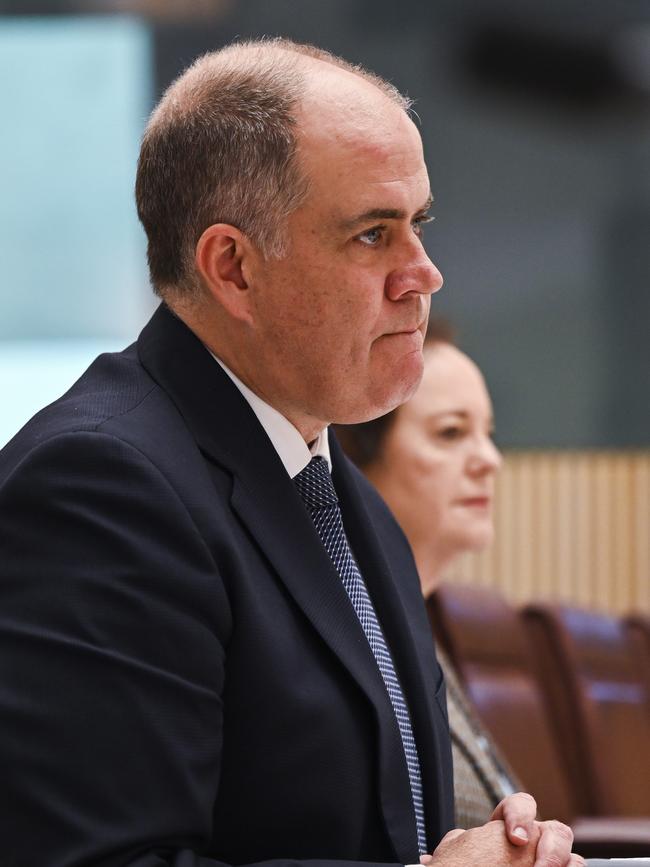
(450,433)
(371,237)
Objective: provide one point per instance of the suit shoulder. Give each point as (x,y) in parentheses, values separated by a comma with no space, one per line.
(110,386)
(115,396)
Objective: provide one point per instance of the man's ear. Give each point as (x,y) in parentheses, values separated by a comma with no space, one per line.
(219,258)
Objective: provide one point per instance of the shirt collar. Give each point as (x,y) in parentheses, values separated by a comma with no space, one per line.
(293,451)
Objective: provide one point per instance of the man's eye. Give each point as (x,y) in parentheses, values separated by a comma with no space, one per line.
(371,237)
(418,224)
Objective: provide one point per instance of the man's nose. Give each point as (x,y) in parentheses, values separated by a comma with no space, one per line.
(417,276)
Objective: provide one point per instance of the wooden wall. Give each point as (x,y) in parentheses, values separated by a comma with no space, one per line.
(570,526)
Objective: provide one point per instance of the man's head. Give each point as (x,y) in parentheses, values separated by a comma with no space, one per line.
(283,192)
(220,147)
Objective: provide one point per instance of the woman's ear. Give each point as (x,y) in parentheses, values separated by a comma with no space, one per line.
(220,260)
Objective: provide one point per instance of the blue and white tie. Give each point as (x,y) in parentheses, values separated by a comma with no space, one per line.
(315,486)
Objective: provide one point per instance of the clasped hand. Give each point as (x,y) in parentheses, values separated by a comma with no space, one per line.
(511,837)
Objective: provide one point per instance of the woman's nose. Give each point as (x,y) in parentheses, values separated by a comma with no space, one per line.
(486,457)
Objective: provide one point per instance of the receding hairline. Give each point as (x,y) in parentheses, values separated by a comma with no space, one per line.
(254,56)
(311,58)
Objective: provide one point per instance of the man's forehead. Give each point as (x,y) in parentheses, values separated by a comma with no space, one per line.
(362,155)
(338,104)
(386,152)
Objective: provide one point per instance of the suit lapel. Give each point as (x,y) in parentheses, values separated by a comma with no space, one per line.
(408,635)
(306,570)
(266,501)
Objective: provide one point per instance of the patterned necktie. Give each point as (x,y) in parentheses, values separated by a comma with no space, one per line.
(314,485)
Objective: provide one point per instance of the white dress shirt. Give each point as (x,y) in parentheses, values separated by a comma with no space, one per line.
(294,452)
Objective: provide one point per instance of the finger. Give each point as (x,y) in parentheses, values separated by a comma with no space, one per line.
(577,861)
(426,859)
(518,813)
(554,847)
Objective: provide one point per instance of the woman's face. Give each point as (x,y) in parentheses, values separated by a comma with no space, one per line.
(438,464)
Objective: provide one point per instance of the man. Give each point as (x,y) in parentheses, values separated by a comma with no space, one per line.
(196,669)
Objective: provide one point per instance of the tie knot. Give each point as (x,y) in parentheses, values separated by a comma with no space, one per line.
(315,486)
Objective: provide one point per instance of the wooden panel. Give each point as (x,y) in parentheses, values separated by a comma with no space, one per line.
(570,526)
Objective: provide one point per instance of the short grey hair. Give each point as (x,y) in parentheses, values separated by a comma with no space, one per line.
(220,147)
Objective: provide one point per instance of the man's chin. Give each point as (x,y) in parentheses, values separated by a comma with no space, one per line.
(412,368)
(381,400)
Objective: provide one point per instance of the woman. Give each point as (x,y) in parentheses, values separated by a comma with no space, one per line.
(434,462)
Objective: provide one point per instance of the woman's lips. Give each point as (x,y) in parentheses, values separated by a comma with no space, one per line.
(476,502)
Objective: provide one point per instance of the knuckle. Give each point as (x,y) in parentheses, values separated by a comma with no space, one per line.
(452,835)
(561,829)
(554,825)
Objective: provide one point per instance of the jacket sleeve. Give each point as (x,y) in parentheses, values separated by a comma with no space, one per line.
(113,628)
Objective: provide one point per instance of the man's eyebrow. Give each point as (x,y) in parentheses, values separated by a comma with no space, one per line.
(382,214)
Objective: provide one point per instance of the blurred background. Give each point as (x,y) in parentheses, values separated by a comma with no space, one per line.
(536,124)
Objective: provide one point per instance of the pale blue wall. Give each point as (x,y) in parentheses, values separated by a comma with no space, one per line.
(542,208)
(74,96)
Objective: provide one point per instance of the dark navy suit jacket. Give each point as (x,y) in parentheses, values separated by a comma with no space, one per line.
(183,680)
